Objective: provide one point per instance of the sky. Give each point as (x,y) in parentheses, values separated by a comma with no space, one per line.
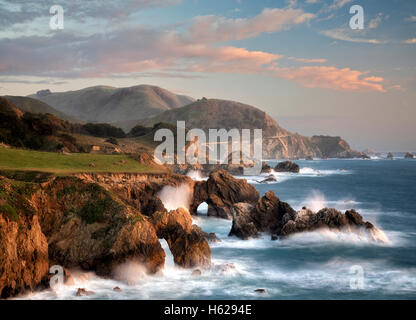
(298,60)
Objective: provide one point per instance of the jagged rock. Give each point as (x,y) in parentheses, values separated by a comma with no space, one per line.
(409,155)
(186,241)
(24,260)
(23,255)
(287,166)
(243,225)
(266,168)
(138,190)
(390,155)
(87,227)
(267,215)
(277,218)
(191,249)
(220,192)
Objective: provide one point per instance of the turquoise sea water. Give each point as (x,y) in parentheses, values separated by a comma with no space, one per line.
(318,265)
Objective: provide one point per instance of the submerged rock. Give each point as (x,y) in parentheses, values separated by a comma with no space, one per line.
(84,292)
(269,179)
(260,290)
(196,273)
(287,166)
(211,237)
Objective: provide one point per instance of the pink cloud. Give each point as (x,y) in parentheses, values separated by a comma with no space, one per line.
(213,29)
(195,50)
(330,77)
(305,60)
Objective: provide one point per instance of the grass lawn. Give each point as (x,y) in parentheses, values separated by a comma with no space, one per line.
(27,160)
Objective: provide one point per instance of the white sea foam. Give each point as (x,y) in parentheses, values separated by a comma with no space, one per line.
(196,175)
(175,197)
(283,176)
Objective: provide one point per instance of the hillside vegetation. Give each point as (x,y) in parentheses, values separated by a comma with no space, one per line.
(32,105)
(28,160)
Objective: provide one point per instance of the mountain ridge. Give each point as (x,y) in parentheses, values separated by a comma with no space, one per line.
(110,104)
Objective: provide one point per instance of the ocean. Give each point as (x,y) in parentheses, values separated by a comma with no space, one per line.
(315,265)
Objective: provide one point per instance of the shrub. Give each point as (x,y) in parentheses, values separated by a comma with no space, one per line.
(103,130)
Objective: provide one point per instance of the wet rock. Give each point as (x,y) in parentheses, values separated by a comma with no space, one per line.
(269,179)
(211,237)
(84,292)
(196,273)
(220,192)
(186,241)
(390,155)
(226,267)
(243,225)
(266,168)
(277,218)
(191,250)
(409,155)
(364,156)
(310,158)
(117,289)
(287,166)
(260,290)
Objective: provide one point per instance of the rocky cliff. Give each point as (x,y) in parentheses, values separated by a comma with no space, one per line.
(98,221)
(93,222)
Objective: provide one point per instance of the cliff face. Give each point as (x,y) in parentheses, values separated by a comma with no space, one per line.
(93,222)
(297,146)
(23,255)
(87,226)
(23,246)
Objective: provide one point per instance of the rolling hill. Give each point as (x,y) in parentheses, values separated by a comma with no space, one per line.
(113,105)
(32,105)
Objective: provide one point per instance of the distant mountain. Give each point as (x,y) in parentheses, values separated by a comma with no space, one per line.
(277,142)
(112,105)
(32,105)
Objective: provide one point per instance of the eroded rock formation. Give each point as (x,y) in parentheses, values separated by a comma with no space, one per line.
(220,192)
(277,218)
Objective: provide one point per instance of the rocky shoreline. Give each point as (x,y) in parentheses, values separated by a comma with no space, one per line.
(98,221)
